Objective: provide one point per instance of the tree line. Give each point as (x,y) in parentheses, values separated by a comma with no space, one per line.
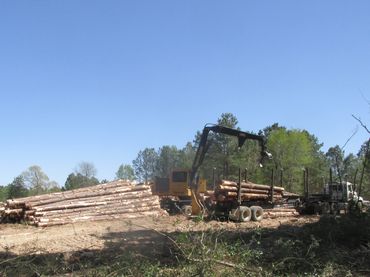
(293,150)
(35,181)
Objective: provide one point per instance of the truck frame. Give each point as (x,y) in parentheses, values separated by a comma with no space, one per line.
(335,198)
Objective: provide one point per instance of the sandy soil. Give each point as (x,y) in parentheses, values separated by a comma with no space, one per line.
(145,233)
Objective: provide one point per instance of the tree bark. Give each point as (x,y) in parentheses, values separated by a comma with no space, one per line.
(250,185)
(96,218)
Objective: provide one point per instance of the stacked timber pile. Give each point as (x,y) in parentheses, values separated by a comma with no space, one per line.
(228,190)
(2,209)
(114,200)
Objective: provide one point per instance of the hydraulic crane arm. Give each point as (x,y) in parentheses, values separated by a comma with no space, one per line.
(203,146)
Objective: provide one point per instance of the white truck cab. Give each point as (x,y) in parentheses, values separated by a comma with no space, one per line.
(342,192)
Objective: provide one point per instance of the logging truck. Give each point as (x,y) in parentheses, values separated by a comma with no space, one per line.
(335,198)
(237,201)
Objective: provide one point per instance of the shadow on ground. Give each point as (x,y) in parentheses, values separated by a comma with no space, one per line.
(329,247)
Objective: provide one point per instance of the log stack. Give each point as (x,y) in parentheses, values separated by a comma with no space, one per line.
(2,208)
(228,190)
(115,200)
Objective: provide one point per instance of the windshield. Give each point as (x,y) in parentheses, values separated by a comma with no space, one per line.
(336,187)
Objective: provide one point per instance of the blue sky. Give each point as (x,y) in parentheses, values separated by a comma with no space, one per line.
(98,81)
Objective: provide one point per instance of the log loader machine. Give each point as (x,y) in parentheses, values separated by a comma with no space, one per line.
(174,191)
(183,188)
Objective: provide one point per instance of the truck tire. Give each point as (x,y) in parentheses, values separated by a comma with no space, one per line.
(360,205)
(257,213)
(334,210)
(325,208)
(186,210)
(245,214)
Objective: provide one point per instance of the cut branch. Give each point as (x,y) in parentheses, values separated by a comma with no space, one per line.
(361,123)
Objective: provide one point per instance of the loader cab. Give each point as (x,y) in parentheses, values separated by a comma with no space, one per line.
(180,180)
(177,184)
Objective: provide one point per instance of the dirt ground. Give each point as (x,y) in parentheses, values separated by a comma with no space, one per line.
(144,233)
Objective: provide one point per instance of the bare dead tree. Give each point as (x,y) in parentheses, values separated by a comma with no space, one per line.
(337,163)
(348,140)
(364,166)
(366,100)
(361,123)
(86,169)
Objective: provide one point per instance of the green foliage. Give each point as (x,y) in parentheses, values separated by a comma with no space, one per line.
(169,157)
(335,157)
(150,163)
(4,193)
(292,151)
(351,168)
(125,172)
(187,156)
(78,180)
(363,170)
(37,182)
(17,188)
(145,164)
(223,154)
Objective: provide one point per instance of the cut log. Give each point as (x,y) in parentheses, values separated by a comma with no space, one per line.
(132,210)
(118,183)
(250,185)
(230,188)
(29,213)
(117,206)
(13,211)
(86,195)
(102,217)
(277,215)
(275,210)
(73,194)
(251,195)
(85,202)
(114,195)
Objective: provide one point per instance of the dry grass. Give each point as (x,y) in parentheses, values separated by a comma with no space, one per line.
(329,247)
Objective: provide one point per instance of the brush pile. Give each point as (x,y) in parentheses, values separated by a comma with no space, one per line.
(114,200)
(228,190)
